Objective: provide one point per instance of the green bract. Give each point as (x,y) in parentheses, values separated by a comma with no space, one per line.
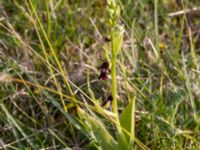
(117,34)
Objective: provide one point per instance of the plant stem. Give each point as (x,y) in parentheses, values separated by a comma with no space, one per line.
(114,85)
(121,136)
(114,89)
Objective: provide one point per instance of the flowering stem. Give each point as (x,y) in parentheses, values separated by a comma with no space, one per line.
(114,82)
(114,85)
(114,94)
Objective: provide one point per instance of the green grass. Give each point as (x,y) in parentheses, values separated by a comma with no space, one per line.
(50,95)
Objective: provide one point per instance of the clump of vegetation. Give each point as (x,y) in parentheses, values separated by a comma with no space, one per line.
(99,74)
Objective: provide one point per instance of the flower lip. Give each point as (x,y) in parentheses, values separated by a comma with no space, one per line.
(104,68)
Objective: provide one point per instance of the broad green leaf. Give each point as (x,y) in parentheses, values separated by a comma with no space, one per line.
(127,120)
(97,130)
(122,142)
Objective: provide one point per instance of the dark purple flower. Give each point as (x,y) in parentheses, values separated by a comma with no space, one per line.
(104,68)
(109,99)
